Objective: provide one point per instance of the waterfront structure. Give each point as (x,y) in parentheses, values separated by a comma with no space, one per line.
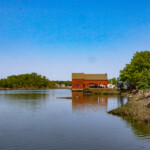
(81,80)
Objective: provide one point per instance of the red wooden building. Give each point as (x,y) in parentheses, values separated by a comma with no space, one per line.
(81,80)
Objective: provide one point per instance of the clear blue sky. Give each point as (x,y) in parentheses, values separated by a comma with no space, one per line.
(56,38)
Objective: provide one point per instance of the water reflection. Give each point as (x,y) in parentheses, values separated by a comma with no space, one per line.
(139,128)
(36,119)
(103,104)
(24,98)
(27,96)
(96,102)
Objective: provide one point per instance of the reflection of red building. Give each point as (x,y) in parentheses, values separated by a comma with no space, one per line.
(85,102)
(81,80)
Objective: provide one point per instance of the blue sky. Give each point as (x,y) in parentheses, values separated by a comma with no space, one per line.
(56,38)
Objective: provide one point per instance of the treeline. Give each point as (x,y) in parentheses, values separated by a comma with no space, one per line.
(67,83)
(32,80)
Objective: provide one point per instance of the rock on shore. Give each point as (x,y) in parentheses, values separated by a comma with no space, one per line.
(137,108)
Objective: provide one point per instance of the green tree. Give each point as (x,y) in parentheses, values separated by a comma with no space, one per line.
(67,83)
(113,81)
(32,80)
(138,71)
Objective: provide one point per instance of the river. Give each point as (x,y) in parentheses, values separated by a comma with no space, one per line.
(40,120)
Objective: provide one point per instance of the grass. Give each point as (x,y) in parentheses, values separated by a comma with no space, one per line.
(137,109)
(101,91)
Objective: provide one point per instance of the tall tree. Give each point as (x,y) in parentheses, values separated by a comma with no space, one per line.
(138,71)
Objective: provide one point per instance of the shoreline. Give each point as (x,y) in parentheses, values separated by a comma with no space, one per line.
(30,88)
(106,91)
(137,108)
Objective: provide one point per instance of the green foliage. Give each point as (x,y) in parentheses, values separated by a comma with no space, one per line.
(138,71)
(121,85)
(113,81)
(32,80)
(67,83)
(144,82)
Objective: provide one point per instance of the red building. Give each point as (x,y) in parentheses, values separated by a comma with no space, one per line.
(81,80)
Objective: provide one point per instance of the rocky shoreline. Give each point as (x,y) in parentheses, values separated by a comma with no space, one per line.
(137,108)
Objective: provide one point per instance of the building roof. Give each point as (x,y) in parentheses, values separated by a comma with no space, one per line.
(89,76)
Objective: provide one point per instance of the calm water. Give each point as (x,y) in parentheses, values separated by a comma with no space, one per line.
(38,119)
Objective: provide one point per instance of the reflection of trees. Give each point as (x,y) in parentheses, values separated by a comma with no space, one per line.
(83,102)
(140,129)
(120,101)
(33,96)
(25,98)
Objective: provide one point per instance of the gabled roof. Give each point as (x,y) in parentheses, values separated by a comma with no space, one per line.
(89,76)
